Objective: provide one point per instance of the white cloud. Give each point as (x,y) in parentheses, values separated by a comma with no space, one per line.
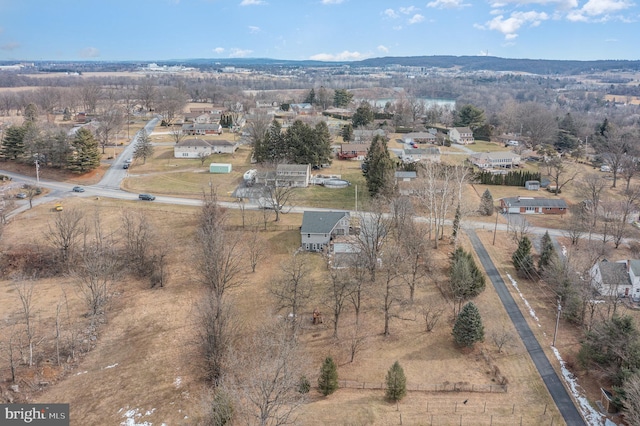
(560,4)
(448,4)
(343,56)
(239,53)
(252,2)
(332,1)
(10,46)
(408,10)
(397,27)
(391,13)
(600,10)
(219,50)
(604,7)
(89,52)
(510,26)
(383,49)
(415,19)
(253,29)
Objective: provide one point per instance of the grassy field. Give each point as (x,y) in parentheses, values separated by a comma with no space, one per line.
(144,356)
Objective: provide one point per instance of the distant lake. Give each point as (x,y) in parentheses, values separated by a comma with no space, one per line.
(381,102)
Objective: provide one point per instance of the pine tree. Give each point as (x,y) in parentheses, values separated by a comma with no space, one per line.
(143,149)
(486,204)
(328,380)
(456,222)
(13,143)
(548,251)
(522,258)
(466,279)
(378,167)
(347,133)
(396,383)
(31,113)
(468,328)
(86,152)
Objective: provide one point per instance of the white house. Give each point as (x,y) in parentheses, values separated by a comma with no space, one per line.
(196,148)
(298,175)
(617,279)
(419,154)
(495,160)
(461,135)
(320,227)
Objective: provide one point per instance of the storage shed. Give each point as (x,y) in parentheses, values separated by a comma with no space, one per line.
(219,168)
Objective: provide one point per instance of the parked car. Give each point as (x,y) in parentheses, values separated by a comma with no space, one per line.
(125,166)
(78,189)
(129,161)
(147,197)
(21,195)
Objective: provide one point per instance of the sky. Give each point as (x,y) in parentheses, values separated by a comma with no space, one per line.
(330,30)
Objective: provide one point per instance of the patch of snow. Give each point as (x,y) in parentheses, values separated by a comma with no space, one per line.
(177,382)
(592,416)
(130,417)
(564,251)
(111,366)
(526,302)
(81,372)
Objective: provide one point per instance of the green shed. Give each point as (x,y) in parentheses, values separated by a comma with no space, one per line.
(220,168)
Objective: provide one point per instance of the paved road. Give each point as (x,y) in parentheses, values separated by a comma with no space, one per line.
(557,390)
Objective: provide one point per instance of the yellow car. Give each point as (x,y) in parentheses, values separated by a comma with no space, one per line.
(58,207)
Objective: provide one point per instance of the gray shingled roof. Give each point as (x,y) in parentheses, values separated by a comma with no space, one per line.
(634,264)
(535,202)
(614,274)
(320,222)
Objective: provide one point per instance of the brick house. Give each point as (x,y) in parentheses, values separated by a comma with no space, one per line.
(531,205)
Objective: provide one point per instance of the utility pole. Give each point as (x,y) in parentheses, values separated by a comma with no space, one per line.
(495,228)
(37,172)
(555,333)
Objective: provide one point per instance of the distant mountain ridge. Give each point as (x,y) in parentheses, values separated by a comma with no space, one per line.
(464,63)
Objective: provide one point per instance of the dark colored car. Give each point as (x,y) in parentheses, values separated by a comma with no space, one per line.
(78,189)
(147,197)
(125,166)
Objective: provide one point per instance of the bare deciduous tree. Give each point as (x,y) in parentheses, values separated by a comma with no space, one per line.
(374,230)
(66,230)
(292,289)
(502,338)
(338,292)
(557,171)
(138,240)
(219,251)
(266,378)
(431,313)
(24,289)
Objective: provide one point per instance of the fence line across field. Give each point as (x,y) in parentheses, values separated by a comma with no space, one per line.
(431,387)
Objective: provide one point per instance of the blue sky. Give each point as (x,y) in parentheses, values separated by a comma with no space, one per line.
(317,29)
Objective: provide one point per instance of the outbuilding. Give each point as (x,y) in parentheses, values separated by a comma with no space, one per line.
(219,168)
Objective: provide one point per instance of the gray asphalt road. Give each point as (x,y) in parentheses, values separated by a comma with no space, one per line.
(557,390)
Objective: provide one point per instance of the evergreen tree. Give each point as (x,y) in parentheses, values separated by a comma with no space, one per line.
(86,152)
(13,143)
(66,115)
(342,98)
(469,116)
(548,251)
(378,167)
(468,328)
(456,222)
(311,97)
(486,203)
(322,143)
(347,133)
(328,380)
(363,115)
(396,383)
(466,279)
(143,148)
(522,258)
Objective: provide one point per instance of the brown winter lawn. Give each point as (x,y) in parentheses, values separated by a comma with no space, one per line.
(144,357)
